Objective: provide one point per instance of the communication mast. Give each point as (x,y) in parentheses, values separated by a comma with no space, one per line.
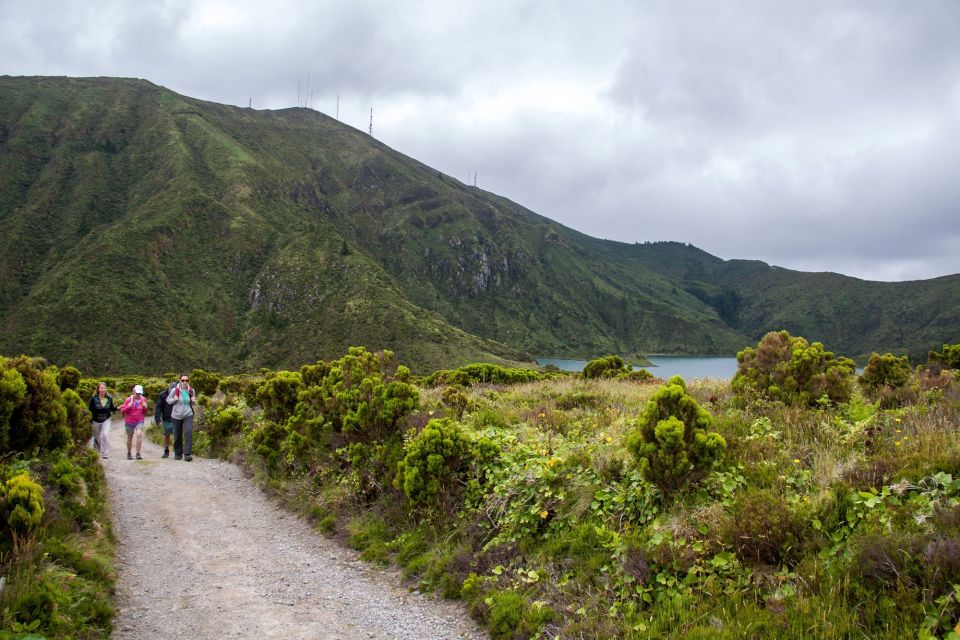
(371,121)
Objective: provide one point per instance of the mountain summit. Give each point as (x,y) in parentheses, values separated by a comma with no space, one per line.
(147,231)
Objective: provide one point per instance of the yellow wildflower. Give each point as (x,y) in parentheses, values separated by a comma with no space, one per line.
(609,438)
(796,461)
(897,443)
(544,514)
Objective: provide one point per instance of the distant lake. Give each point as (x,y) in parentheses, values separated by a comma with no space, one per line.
(687,367)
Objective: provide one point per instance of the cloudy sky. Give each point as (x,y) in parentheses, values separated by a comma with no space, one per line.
(821,135)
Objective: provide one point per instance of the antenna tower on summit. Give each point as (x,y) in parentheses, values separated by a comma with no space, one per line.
(371,121)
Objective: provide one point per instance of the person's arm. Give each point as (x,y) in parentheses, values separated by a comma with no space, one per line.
(172,397)
(92,405)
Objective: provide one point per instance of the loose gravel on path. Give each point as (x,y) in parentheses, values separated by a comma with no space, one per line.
(205,554)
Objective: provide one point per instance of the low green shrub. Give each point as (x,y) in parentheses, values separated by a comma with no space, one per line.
(671,442)
(205,382)
(432,461)
(763,528)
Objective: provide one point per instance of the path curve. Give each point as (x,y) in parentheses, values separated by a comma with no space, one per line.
(204,554)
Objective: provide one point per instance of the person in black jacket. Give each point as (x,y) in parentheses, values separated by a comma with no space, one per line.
(161,416)
(101,408)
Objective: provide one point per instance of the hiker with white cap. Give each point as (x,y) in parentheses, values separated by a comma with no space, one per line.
(134,410)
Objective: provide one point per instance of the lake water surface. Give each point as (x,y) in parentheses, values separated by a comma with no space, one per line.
(687,367)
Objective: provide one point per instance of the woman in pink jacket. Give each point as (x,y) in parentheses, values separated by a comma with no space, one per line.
(134,410)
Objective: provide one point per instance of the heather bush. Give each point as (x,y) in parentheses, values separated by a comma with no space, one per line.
(39,421)
(278,395)
(793,371)
(763,528)
(887,370)
(947,358)
(23,507)
(204,382)
(606,367)
(13,390)
(68,378)
(456,401)
(671,442)
(225,422)
(362,399)
(78,416)
(433,459)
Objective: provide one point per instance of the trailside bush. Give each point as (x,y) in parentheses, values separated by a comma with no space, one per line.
(39,421)
(432,459)
(78,416)
(361,399)
(606,367)
(671,443)
(226,422)
(23,506)
(204,382)
(13,390)
(793,371)
(278,394)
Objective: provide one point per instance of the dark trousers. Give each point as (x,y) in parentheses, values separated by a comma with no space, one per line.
(183,436)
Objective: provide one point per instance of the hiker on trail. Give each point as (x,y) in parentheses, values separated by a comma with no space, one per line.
(183,399)
(162,416)
(134,410)
(101,408)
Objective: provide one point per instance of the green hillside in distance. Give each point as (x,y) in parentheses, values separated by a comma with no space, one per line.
(145,231)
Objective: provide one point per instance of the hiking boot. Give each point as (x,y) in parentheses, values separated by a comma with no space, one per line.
(166,453)
(138,457)
(188,458)
(177,457)
(129,457)
(105,456)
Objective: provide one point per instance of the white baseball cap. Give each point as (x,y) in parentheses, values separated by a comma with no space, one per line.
(138,389)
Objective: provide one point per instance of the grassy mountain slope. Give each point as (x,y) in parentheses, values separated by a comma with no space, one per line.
(852,316)
(145,230)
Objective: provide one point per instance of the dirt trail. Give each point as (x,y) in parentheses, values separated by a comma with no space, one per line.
(204,554)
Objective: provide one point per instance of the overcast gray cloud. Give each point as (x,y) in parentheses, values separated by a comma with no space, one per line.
(820,135)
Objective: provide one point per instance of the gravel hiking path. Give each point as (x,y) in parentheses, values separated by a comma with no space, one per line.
(203,553)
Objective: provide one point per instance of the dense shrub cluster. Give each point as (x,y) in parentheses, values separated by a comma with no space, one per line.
(31,397)
(613,366)
(55,545)
(672,443)
(482,373)
(947,358)
(605,367)
(793,371)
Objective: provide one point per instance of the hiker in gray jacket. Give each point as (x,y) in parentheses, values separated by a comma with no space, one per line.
(184,401)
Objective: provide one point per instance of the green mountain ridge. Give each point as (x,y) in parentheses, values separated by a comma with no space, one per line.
(146,230)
